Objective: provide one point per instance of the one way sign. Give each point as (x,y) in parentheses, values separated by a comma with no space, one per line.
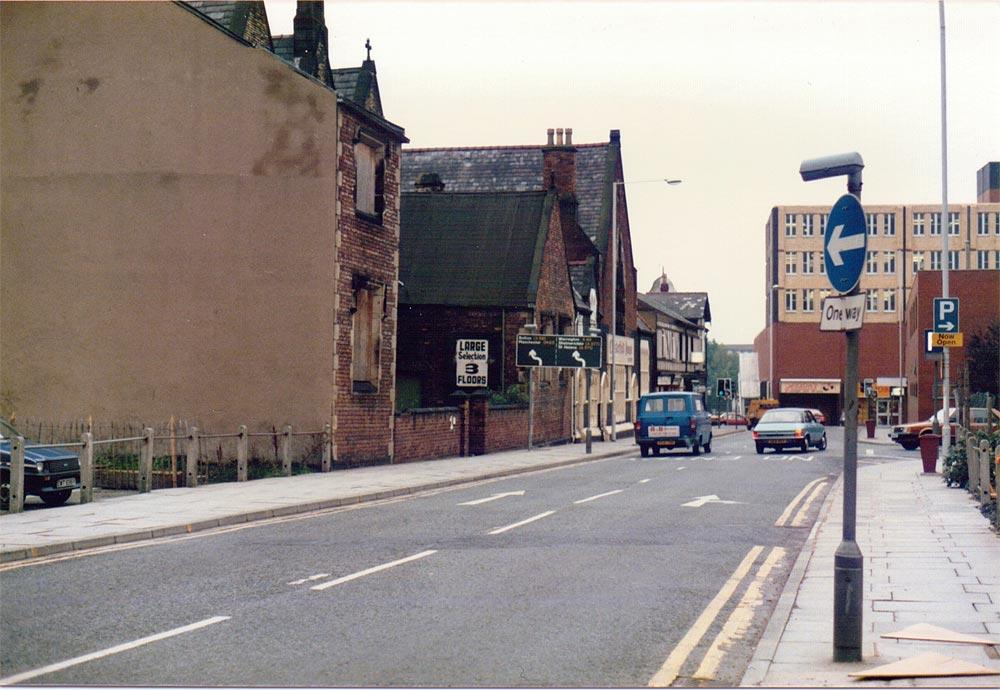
(946,315)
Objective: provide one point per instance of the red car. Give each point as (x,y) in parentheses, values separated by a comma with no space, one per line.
(818,414)
(733,419)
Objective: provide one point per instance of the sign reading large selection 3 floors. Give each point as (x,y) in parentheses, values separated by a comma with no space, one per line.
(472,363)
(579,351)
(844,250)
(946,331)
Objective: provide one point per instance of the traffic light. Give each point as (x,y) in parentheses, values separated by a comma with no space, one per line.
(721,383)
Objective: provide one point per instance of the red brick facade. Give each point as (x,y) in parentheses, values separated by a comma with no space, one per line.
(428,434)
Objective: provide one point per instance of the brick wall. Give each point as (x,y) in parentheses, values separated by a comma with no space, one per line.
(363,421)
(429,433)
(507,428)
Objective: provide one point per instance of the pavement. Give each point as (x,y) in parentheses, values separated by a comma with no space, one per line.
(929,555)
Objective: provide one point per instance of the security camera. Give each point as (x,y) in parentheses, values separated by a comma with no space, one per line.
(831,166)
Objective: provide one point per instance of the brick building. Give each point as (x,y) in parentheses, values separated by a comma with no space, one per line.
(583,177)
(681,336)
(171,178)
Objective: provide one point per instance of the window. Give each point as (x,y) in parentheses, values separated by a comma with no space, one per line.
(918,224)
(889,263)
(823,217)
(871,219)
(890,224)
(889,300)
(996,259)
(936,223)
(807,225)
(871,300)
(983,227)
(953,260)
(807,300)
(789,225)
(953,223)
(790,300)
(936,260)
(918,261)
(807,262)
(369,184)
(983,259)
(823,294)
(366,334)
(791,261)
(996,224)
(871,264)
(821,263)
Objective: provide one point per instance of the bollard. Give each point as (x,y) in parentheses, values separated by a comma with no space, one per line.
(984,473)
(242,451)
(15,483)
(191,464)
(286,450)
(327,448)
(146,462)
(87,468)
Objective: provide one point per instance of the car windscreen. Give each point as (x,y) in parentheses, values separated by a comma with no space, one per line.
(781,416)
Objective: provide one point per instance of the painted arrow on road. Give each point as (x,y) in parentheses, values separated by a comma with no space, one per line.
(699,501)
(838,244)
(492,498)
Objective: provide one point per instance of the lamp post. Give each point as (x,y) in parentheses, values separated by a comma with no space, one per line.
(614,288)
(770,341)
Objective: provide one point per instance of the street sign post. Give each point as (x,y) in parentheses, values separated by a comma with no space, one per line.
(571,351)
(843,313)
(947,339)
(946,315)
(472,363)
(844,244)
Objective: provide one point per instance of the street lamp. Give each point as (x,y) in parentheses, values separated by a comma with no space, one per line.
(770,342)
(614,286)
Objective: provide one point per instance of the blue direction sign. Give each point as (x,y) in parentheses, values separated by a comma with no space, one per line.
(845,243)
(946,315)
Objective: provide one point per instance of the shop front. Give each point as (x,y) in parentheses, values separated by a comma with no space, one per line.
(820,394)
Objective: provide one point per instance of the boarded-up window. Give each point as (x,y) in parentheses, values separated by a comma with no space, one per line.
(370,177)
(367,337)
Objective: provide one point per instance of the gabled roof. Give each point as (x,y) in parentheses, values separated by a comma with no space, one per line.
(472,249)
(360,85)
(235,16)
(519,169)
(689,306)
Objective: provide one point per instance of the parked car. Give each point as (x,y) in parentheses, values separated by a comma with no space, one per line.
(671,420)
(733,419)
(50,473)
(759,406)
(908,435)
(818,414)
(715,418)
(785,427)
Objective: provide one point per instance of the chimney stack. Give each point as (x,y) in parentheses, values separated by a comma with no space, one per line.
(559,161)
(569,136)
(551,134)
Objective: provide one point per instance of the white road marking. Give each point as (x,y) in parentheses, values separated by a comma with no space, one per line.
(739,620)
(699,501)
(52,668)
(643,481)
(681,468)
(494,497)
(737,457)
(594,498)
(309,579)
(369,571)
(672,666)
(498,530)
(780,522)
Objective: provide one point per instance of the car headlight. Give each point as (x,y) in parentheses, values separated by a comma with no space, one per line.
(39,466)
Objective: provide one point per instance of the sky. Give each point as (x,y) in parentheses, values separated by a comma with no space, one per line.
(729,97)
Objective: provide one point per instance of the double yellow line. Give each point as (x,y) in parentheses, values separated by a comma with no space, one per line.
(786,519)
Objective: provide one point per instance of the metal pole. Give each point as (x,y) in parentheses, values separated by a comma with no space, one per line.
(770,342)
(531,407)
(899,323)
(945,225)
(614,302)
(848,562)
(587,413)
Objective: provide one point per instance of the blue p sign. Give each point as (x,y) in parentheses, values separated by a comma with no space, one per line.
(946,315)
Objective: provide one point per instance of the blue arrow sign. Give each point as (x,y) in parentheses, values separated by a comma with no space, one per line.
(845,243)
(946,315)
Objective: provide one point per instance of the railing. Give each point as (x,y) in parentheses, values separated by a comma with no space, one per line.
(144,473)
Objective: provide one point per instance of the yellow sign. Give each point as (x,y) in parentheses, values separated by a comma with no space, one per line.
(946,339)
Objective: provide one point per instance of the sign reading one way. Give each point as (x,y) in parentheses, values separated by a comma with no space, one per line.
(472,363)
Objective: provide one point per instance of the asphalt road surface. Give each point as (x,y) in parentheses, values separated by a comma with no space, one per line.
(618,572)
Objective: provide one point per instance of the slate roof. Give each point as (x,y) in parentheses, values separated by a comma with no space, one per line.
(472,249)
(359,85)
(284,47)
(689,306)
(232,15)
(519,169)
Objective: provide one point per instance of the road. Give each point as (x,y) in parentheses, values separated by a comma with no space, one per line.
(617,572)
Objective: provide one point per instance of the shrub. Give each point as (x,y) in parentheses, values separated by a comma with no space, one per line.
(516,394)
(955,468)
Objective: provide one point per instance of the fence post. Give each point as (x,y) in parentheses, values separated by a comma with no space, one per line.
(15,494)
(286,450)
(984,472)
(972,463)
(242,452)
(146,462)
(191,464)
(327,447)
(87,468)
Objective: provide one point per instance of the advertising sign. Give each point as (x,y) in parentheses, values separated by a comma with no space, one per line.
(472,363)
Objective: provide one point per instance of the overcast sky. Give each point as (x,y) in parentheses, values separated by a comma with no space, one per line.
(728,96)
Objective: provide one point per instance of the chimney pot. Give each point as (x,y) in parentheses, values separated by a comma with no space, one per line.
(559,137)
(569,136)
(552,134)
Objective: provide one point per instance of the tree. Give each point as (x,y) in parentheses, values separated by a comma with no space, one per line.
(983,356)
(722,363)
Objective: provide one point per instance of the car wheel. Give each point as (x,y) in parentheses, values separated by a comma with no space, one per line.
(5,496)
(696,448)
(760,449)
(909,445)
(56,498)
(708,446)
(804,446)
(656,450)
(822,443)
(644,450)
